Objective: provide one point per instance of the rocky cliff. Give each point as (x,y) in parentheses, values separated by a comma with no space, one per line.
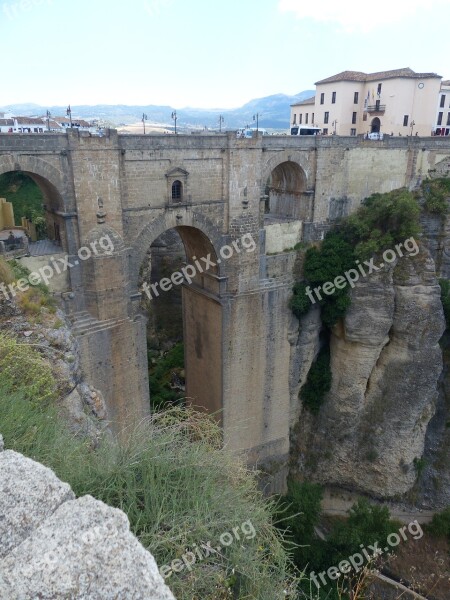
(371,432)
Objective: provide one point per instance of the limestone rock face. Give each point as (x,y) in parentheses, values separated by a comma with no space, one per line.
(54,546)
(386,362)
(29,493)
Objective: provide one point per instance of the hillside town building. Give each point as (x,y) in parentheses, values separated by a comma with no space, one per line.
(399,102)
(42,124)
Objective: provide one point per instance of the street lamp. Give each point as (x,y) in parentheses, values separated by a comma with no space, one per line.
(174,117)
(412,126)
(256,118)
(48,120)
(221,120)
(144,118)
(69,114)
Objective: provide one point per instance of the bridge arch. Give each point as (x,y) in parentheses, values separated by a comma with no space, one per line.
(174,219)
(50,181)
(202,309)
(286,191)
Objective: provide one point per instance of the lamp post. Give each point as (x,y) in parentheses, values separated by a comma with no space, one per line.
(144,118)
(256,118)
(174,117)
(69,114)
(221,120)
(412,126)
(48,120)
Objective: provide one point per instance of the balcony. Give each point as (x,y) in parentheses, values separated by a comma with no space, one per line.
(376,108)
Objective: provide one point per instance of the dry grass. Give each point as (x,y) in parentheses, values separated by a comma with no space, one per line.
(6,273)
(425,563)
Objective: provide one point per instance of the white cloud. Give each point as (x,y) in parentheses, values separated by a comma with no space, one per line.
(357,15)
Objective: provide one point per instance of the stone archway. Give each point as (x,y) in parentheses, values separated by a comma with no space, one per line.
(202,311)
(375,125)
(286,193)
(56,200)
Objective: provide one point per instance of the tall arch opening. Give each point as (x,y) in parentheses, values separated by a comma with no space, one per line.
(36,208)
(375,125)
(286,193)
(179,280)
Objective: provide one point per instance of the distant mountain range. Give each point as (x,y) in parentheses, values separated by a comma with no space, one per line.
(274,113)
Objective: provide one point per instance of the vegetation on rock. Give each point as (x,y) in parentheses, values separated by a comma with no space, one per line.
(171,477)
(27,199)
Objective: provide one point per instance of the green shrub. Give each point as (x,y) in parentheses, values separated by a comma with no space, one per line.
(318,382)
(440,524)
(367,523)
(445,299)
(22,368)
(161,375)
(298,514)
(436,193)
(25,195)
(300,303)
(382,221)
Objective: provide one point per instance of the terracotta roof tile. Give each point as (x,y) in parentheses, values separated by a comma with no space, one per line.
(363,77)
(28,121)
(311,100)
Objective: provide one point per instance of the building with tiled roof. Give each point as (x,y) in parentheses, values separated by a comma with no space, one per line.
(76,123)
(398,102)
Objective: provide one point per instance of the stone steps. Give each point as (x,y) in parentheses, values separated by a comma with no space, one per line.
(83,323)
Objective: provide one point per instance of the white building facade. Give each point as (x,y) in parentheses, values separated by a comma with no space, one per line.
(399,102)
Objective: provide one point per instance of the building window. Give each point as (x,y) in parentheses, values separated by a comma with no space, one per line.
(325,131)
(439,121)
(448,118)
(326,117)
(379,88)
(442,100)
(295,119)
(312,118)
(353,118)
(300,119)
(356,98)
(177,190)
(377,105)
(306,118)
(322,98)
(405,121)
(352,131)
(333,98)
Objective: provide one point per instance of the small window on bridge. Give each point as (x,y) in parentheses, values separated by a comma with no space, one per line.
(177,190)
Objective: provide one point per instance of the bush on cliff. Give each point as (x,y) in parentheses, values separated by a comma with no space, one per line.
(172,478)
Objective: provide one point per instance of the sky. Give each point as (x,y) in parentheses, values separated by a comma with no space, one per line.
(205,53)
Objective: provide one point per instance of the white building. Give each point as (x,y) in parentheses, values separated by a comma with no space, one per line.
(398,102)
(442,123)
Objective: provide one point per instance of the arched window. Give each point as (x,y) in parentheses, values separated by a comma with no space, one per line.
(177,190)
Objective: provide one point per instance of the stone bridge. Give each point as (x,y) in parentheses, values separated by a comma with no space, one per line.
(218,193)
